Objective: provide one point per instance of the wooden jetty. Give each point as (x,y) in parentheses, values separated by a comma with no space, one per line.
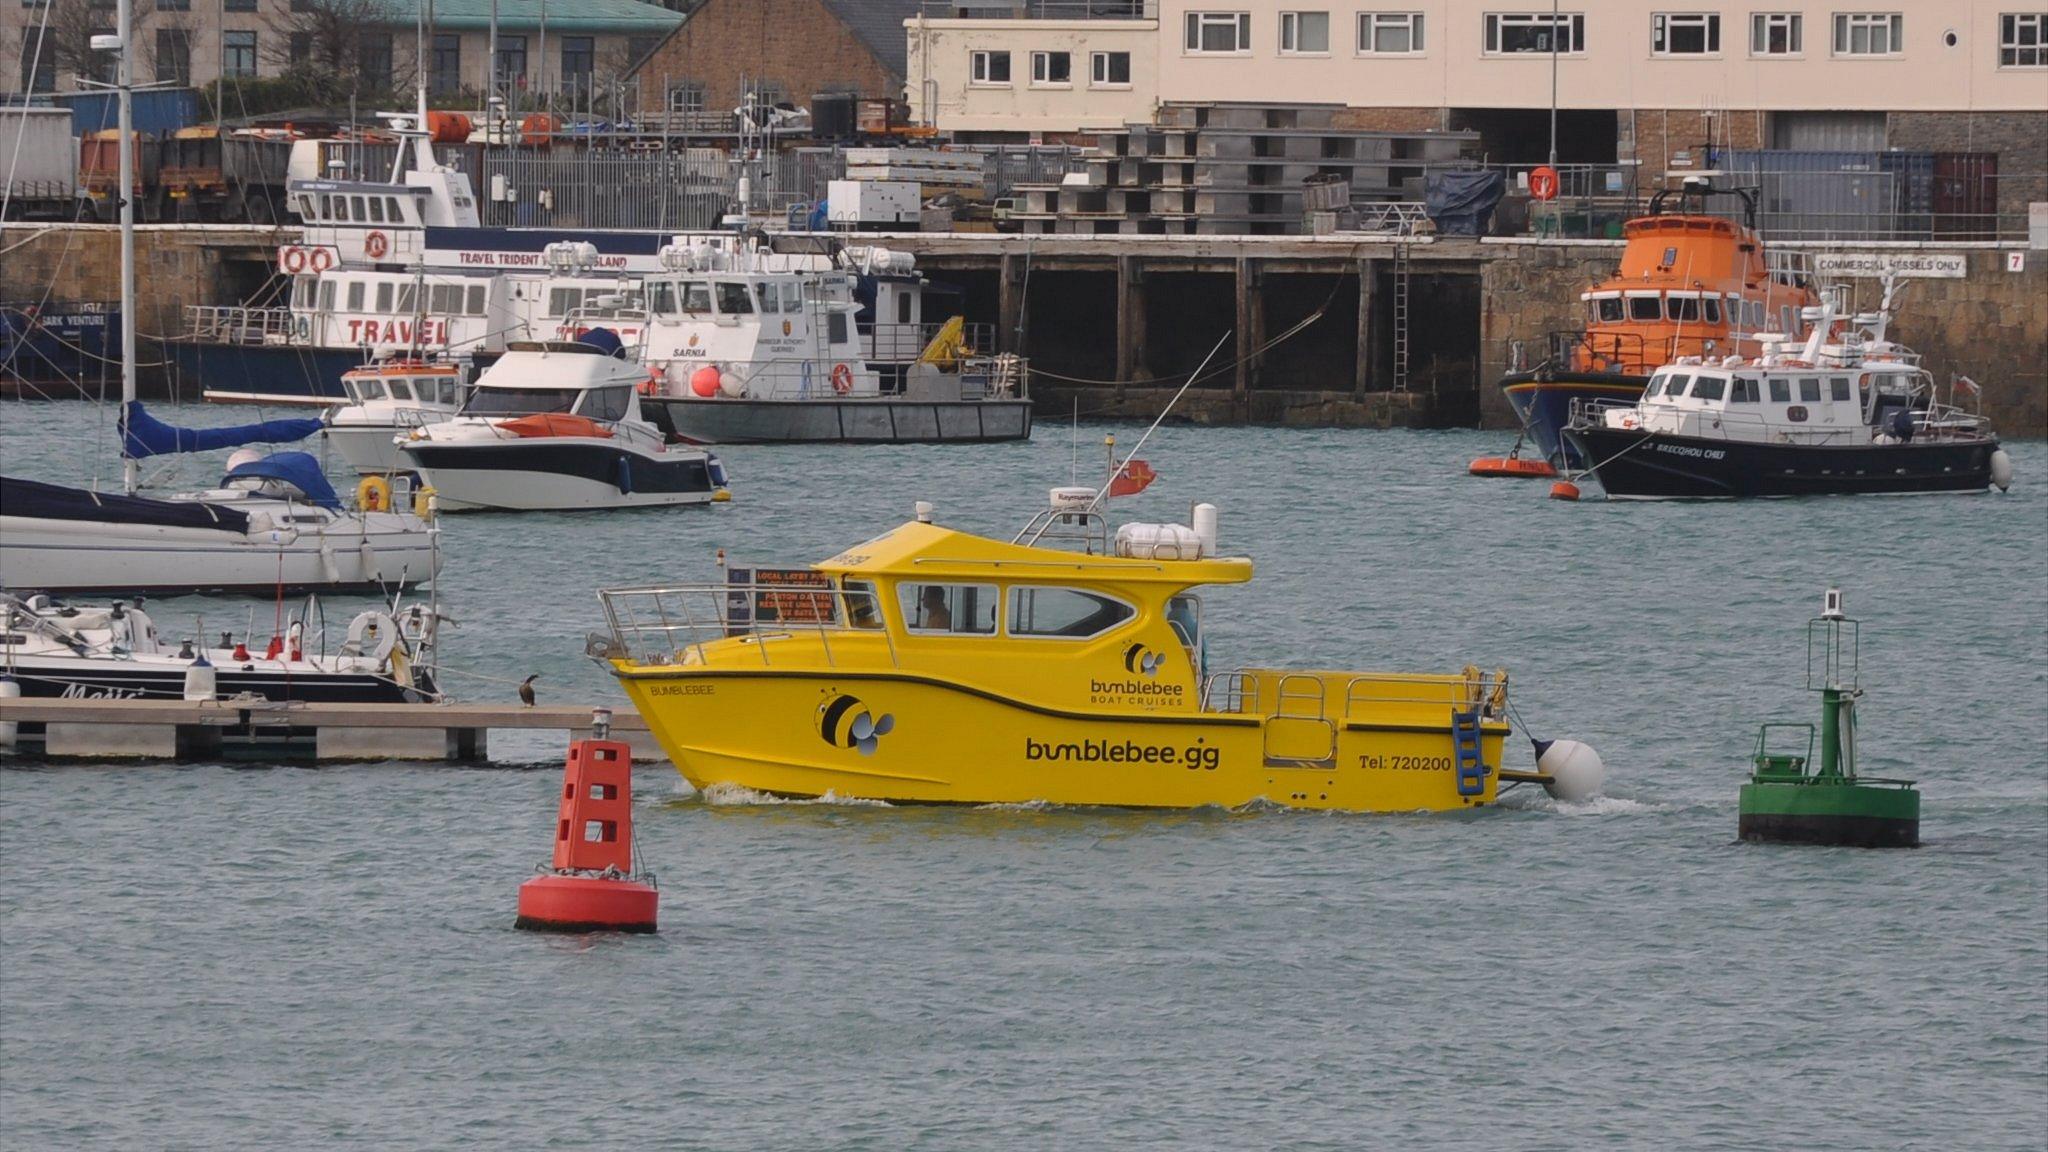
(199,729)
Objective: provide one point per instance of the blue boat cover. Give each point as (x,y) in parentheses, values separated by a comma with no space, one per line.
(144,435)
(297,469)
(606,340)
(57,502)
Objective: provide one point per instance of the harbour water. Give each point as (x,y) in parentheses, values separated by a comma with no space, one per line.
(259,957)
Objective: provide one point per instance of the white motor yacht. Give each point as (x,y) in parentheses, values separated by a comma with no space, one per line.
(556,424)
(387,400)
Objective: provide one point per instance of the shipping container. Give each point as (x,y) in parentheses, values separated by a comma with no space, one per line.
(39,161)
(155,111)
(1822,195)
(1966,195)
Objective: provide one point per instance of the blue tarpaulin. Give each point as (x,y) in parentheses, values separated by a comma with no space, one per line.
(144,435)
(1460,202)
(298,469)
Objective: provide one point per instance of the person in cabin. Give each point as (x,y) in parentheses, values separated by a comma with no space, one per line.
(937,616)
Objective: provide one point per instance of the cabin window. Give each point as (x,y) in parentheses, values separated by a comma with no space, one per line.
(355,296)
(1809,389)
(960,609)
(383,297)
(476,300)
(376,209)
(696,296)
(1685,307)
(1068,613)
(1711,308)
(372,388)
(661,298)
(446,297)
(792,297)
(408,298)
(1781,391)
(401,389)
(519,401)
(1742,392)
(391,211)
(863,610)
(767,298)
(835,328)
(733,299)
(1645,308)
(607,403)
(362,213)
(903,302)
(1607,309)
(1709,388)
(327,296)
(562,301)
(1674,386)
(1838,387)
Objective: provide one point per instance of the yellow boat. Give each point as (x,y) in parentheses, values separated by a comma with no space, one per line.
(929,665)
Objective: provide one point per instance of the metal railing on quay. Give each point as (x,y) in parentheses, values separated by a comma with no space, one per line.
(235,324)
(671,624)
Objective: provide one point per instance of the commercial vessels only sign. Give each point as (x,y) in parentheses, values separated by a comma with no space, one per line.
(1871,265)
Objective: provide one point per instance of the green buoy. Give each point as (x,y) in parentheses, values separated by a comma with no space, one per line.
(1789,802)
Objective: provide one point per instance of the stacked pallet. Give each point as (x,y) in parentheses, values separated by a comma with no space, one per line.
(1232,169)
(934,171)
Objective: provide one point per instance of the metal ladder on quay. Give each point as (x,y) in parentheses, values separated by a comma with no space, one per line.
(1400,315)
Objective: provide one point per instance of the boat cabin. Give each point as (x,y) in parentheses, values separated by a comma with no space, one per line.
(768,326)
(408,384)
(1790,402)
(556,377)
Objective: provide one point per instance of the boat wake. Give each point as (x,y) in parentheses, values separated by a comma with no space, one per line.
(734,795)
(1595,806)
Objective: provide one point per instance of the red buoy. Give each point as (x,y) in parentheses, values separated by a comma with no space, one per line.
(591,886)
(1511,465)
(1564,490)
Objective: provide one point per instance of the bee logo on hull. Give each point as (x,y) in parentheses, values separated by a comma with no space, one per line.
(1142,661)
(845,722)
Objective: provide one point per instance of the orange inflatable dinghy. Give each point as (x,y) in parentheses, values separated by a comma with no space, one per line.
(1511,466)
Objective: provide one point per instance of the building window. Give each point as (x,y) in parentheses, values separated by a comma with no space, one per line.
(373,60)
(991,67)
(686,97)
(299,48)
(173,56)
(1219,32)
(2023,40)
(1775,34)
(238,5)
(38,60)
(1508,32)
(1304,33)
(171,5)
(512,60)
(1055,69)
(1109,69)
(238,55)
(768,93)
(639,48)
(1389,33)
(579,60)
(1869,33)
(1685,34)
(445,65)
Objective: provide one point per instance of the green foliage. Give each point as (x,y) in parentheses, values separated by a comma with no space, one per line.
(297,88)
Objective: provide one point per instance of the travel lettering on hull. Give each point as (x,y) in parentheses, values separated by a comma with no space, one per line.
(1065,665)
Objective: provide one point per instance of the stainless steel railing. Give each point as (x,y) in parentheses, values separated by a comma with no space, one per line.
(671,624)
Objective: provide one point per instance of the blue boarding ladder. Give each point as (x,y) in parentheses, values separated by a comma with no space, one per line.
(1467,754)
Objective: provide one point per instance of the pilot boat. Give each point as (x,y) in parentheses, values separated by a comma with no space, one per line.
(556,424)
(931,665)
(386,401)
(1689,284)
(1849,414)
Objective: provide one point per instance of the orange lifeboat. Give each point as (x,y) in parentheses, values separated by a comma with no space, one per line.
(544,424)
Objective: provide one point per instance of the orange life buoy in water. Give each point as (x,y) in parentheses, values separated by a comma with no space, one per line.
(842,379)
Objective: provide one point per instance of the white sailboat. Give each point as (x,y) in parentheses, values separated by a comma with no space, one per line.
(275,521)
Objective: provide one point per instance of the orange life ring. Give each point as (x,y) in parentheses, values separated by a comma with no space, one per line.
(1543,182)
(375,245)
(1628,422)
(842,379)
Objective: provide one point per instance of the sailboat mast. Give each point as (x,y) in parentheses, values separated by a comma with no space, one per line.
(123,77)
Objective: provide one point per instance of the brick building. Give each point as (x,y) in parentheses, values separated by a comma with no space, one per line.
(779,49)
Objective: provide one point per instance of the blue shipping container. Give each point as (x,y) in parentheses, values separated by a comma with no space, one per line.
(156,112)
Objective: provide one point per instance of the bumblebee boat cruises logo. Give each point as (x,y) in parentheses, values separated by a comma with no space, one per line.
(844,722)
(1140,682)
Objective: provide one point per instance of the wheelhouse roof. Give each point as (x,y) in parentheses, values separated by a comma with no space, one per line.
(916,550)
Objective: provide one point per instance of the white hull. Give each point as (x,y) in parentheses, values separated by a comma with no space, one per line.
(466,490)
(94,556)
(369,449)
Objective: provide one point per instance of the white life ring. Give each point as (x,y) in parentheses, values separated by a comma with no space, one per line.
(359,633)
